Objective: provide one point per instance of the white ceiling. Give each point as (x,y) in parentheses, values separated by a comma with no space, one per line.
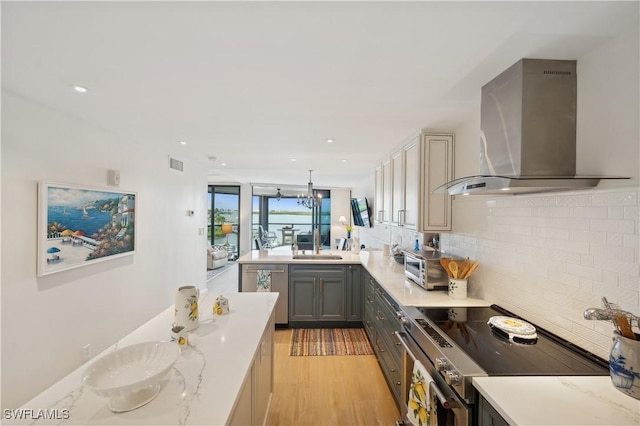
(257,83)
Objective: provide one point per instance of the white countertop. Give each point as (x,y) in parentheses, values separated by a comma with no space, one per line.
(570,401)
(386,271)
(204,384)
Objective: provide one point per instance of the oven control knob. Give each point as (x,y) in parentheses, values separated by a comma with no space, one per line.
(441,364)
(452,377)
(402,318)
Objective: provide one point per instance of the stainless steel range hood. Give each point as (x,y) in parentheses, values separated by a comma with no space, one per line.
(528,132)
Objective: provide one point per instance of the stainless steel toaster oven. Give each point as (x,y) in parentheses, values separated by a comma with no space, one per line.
(424,269)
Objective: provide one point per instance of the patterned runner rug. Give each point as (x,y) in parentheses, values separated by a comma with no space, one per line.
(329,341)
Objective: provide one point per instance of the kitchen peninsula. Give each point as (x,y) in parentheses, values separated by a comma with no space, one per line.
(214,381)
(561,400)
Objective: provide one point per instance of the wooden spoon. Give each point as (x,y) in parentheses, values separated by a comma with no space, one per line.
(445,264)
(453,266)
(471,269)
(625,327)
(464,267)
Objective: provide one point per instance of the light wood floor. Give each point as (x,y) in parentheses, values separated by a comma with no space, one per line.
(328,390)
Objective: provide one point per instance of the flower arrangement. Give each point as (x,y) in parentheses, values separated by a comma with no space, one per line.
(349,228)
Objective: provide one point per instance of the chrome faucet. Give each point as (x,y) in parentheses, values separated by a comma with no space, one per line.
(316,241)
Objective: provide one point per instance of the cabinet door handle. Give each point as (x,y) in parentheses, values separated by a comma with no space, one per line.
(321,285)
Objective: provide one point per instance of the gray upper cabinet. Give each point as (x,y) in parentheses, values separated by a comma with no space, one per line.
(317,292)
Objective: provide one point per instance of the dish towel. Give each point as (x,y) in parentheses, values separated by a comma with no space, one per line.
(421,410)
(263,280)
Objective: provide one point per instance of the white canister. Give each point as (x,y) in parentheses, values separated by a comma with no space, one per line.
(457,288)
(180,335)
(221,306)
(386,250)
(186,310)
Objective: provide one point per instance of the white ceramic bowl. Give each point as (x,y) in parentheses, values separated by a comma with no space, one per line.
(131,376)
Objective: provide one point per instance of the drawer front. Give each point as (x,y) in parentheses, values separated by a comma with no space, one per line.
(390,368)
(317,269)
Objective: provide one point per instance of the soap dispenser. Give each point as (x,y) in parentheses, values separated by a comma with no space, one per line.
(417,246)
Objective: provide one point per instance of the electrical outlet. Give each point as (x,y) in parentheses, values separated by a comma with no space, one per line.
(86,352)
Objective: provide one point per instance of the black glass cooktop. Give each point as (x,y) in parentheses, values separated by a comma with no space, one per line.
(548,355)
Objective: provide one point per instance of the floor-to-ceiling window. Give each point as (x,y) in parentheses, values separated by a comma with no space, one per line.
(224,214)
(278,219)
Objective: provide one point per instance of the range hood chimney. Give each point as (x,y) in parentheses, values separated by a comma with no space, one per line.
(528,132)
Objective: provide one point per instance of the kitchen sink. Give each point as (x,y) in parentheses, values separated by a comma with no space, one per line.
(318,256)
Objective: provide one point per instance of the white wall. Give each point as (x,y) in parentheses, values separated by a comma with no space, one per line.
(549,257)
(46,321)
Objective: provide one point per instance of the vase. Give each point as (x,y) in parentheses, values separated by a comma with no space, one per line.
(186,309)
(348,234)
(624,365)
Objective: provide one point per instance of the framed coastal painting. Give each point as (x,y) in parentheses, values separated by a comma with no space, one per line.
(78,226)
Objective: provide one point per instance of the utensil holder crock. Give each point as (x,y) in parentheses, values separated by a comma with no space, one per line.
(624,365)
(457,288)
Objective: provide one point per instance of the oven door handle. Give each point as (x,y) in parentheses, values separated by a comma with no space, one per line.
(432,386)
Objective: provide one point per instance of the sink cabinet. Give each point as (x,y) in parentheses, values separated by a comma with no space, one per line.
(317,293)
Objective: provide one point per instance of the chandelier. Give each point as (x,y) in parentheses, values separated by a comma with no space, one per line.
(309,200)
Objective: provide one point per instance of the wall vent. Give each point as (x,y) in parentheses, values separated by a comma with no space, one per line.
(175,164)
(554,72)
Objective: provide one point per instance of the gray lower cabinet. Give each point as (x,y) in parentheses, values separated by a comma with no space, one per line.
(317,293)
(354,293)
(380,321)
(488,416)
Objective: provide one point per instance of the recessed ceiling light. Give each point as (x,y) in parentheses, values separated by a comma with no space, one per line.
(182,142)
(80,89)
(505,189)
(329,140)
(344,160)
(223,164)
(293,159)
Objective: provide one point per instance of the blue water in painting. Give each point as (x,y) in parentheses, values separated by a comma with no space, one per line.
(74,219)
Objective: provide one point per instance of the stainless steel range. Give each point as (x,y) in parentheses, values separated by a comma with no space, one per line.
(457,344)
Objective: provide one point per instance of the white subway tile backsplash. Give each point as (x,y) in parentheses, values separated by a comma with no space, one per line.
(553,211)
(614,239)
(573,200)
(567,223)
(606,225)
(631,213)
(548,258)
(622,198)
(616,212)
(587,236)
(591,212)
